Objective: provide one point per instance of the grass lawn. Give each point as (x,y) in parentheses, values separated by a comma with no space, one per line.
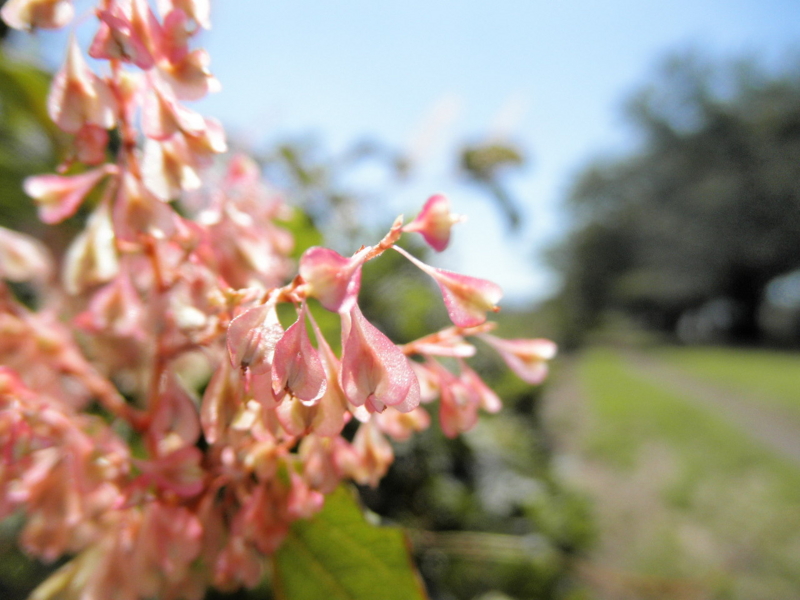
(771,375)
(683,495)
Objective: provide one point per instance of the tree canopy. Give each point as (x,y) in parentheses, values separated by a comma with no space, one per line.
(706,213)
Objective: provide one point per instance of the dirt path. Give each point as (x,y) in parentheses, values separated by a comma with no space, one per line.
(774,428)
(711,550)
(627,507)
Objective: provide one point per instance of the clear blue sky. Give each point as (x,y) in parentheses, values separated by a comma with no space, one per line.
(550,74)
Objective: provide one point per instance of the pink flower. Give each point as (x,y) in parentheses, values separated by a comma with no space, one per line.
(179,472)
(252,337)
(375,373)
(435,221)
(139,215)
(165,172)
(59,196)
(527,358)
(175,38)
(189,78)
(175,423)
(163,116)
(467,299)
(125,35)
(331,278)
(37,14)
(444,343)
(168,542)
(78,97)
(197,10)
(115,309)
(400,426)
(174,165)
(331,412)
(323,458)
(458,403)
(92,256)
(239,563)
(297,370)
(489,401)
(90,145)
(23,258)
(223,399)
(374,452)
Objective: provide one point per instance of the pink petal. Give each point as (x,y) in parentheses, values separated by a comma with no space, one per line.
(163,116)
(466,298)
(295,417)
(197,10)
(90,145)
(490,402)
(59,196)
(23,258)
(296,368)
(78,97)
(374,371)
(175,38)
(252,337)
(37,14)
(242,170)
(168,168)
(179,471)
(222,400)
(526,357)
(374,452)
(176,422)
(434,222)
(444,343)
(400,426)
(92,256)
(331,278)
(139,213)
(117,39)
(332,408)
(190,78)
(115,309)
(458,404)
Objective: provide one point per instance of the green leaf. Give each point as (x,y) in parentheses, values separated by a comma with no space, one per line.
(305,233)
(338,555)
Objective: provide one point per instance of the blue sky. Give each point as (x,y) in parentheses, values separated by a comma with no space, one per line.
(427,76)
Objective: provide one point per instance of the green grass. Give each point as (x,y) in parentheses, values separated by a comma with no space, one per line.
(773,376)
(706,477)
(635,411)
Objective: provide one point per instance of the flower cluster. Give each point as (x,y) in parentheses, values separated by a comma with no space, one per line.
(157,418)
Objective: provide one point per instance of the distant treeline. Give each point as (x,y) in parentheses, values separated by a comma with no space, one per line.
(697,234)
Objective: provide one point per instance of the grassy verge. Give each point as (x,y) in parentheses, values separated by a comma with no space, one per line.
(685,495)
(773,376)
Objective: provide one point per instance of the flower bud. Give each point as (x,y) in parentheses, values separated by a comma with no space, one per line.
(466,298)
(37,14)
(527,358)
(78,97)
(434,222)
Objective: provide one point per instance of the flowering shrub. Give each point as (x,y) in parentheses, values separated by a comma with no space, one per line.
(158,420)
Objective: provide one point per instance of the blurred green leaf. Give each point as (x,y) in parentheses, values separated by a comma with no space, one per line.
(339,555)
(305,233)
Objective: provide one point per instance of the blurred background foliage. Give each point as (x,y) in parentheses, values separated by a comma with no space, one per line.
(690,235)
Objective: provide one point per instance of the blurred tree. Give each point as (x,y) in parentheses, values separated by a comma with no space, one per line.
(707,210)
(485,166)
